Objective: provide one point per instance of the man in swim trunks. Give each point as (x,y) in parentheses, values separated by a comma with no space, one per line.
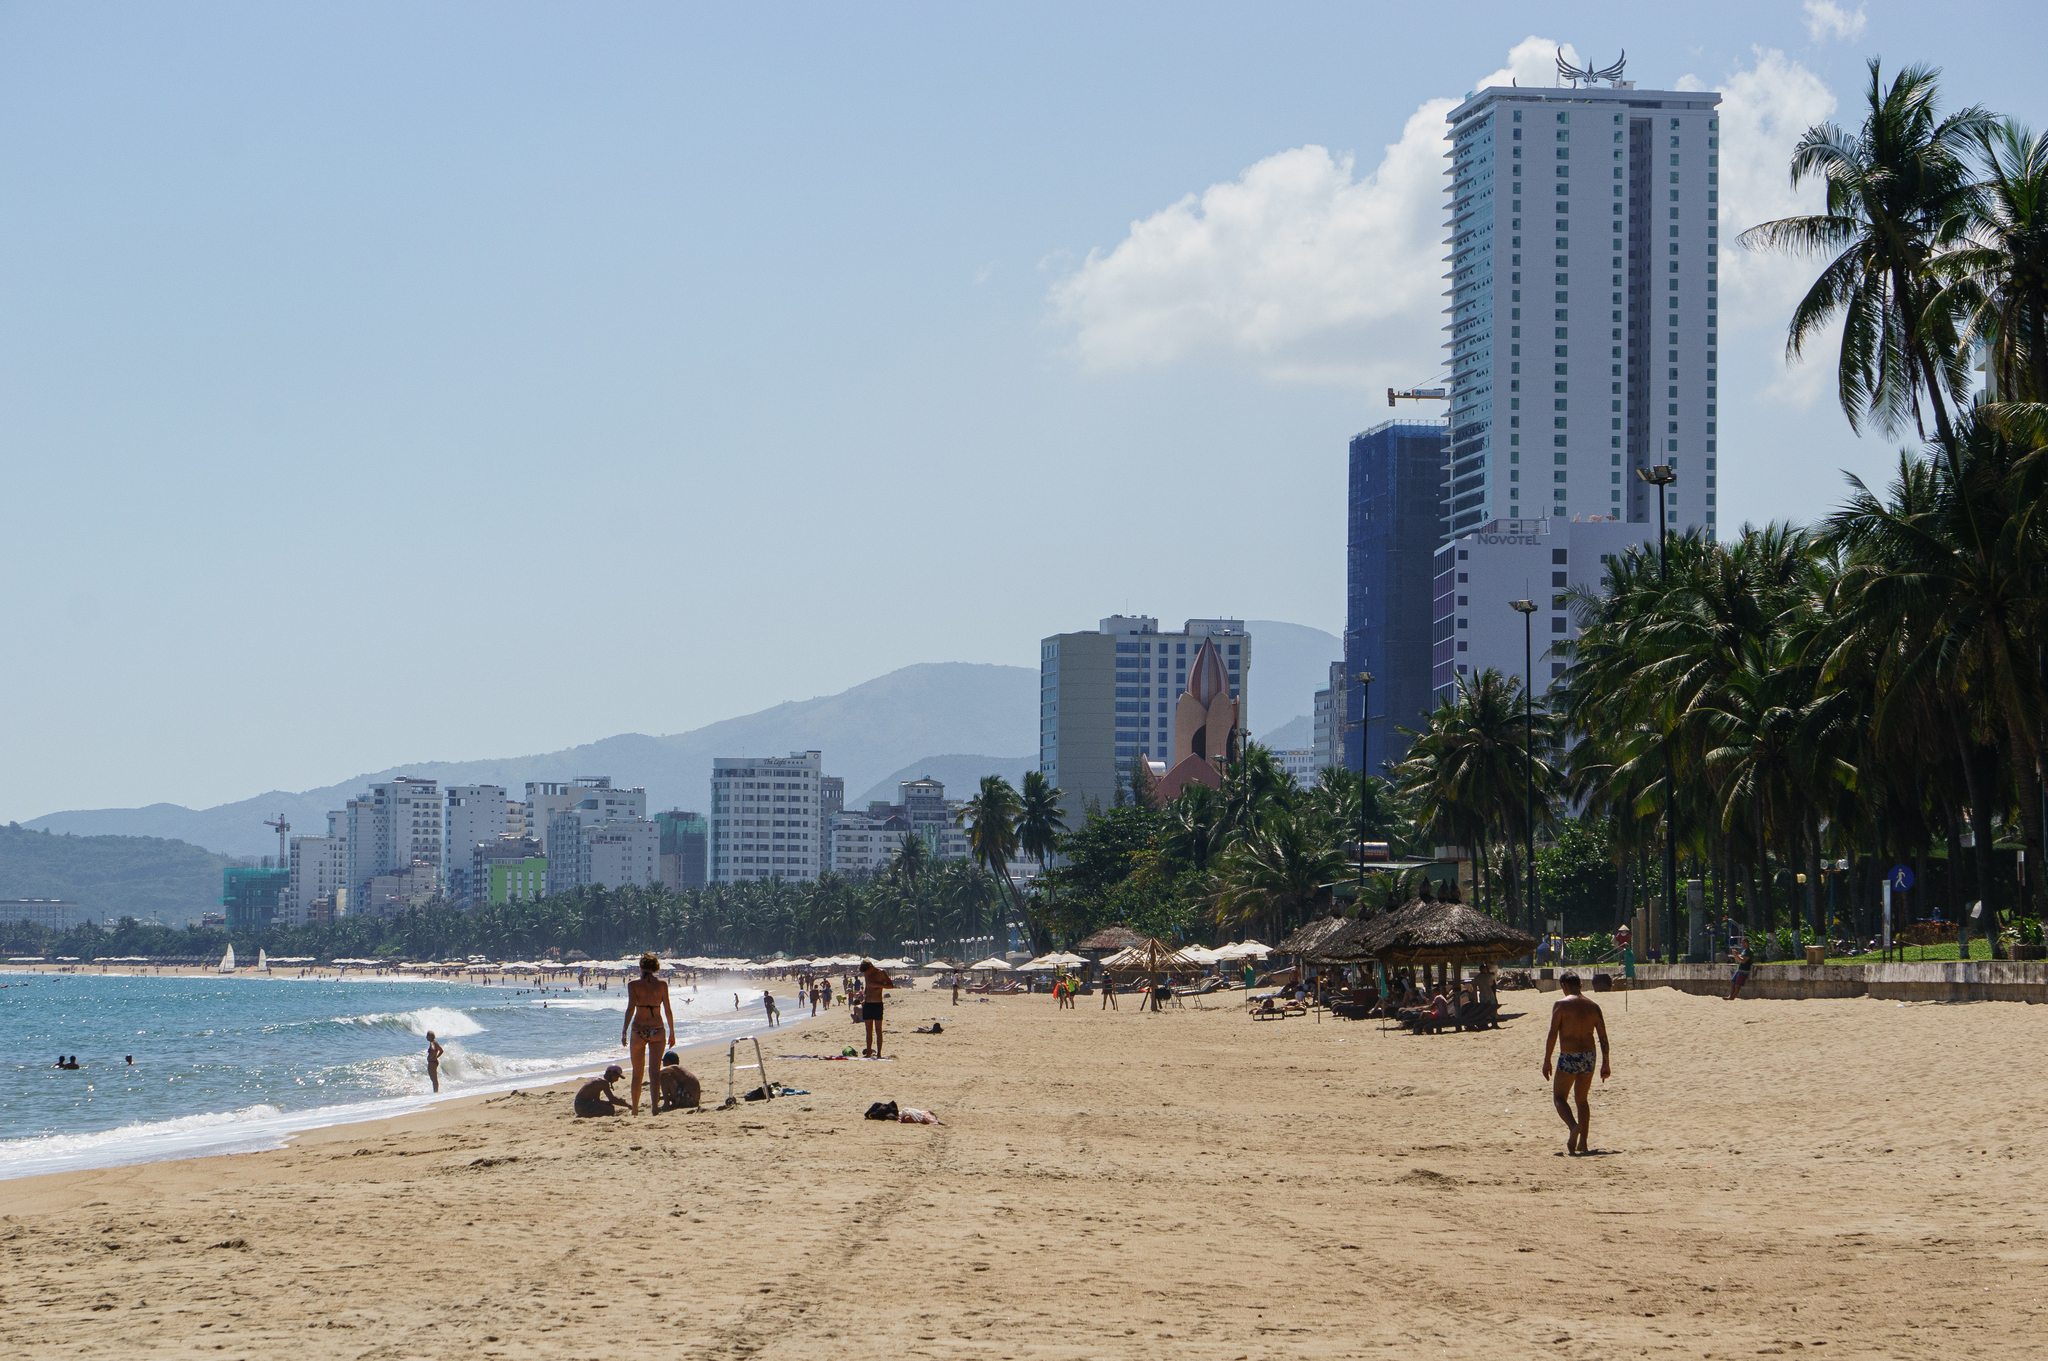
(873,982)
(1575,1022)
(596,1097)
(647,1006)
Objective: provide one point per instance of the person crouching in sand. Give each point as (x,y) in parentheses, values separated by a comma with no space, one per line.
(596,1096)
(677,1088)
(1574,1023)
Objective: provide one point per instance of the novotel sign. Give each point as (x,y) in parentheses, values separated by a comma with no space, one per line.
(1522,540)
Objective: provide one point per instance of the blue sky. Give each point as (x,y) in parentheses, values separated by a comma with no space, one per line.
(392,382)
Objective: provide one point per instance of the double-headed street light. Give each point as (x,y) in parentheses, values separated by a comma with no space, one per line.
(1661,476)
(1527,609)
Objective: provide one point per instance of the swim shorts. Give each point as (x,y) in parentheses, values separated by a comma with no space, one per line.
(1575,1063)
(871,1011)
(591,1106)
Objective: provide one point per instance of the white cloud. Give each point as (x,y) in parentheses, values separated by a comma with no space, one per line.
(1297,267)
(1764,110)
(1825,19)
(1301,270)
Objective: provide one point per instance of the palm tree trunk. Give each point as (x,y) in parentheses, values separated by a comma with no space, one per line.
(2027,781)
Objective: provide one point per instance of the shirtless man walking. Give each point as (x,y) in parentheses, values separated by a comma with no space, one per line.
(1575,1022)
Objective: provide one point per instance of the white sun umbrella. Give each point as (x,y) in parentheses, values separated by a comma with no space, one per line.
(1042,962)
(1201,954)
(991,963)
(1127,955)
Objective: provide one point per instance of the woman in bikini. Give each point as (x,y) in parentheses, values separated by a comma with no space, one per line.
(651,1022)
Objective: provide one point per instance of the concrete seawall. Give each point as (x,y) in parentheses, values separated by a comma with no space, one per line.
(1975,981)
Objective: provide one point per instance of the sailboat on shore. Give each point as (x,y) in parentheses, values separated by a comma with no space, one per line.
(227,961)
(262,959)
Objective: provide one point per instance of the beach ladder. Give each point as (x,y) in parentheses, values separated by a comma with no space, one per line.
(733,1068)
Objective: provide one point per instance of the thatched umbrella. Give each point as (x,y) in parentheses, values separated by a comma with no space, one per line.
(1111,938)
(1426,933)
(1151,957)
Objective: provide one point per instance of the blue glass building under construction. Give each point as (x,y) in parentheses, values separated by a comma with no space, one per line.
(1396,522)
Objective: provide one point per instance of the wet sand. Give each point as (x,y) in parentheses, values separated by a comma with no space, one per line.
(1825,1177)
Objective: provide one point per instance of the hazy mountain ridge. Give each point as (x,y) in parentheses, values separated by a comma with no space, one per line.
(112,875)
(865,733)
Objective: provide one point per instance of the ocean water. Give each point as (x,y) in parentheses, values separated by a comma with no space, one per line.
(226,1063)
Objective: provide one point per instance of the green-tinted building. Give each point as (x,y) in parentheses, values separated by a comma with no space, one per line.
(684,846)
(251,896)
(517,880)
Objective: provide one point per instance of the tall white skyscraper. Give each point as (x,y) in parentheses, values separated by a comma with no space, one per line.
(1584,268)
(475,815)
(764,817)
(392,828)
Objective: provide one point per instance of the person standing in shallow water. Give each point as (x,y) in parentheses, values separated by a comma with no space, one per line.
(1575,1022)
(434,1052)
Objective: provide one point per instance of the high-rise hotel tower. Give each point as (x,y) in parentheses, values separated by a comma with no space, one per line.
(1584,255)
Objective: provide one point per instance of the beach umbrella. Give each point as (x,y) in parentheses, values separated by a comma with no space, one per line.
(991,963)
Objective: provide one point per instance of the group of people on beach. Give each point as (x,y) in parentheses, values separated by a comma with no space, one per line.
(649,1029)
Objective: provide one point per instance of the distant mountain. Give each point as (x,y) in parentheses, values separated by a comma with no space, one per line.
(1295,733)
(112,876)
(960,774)
(1290,662)
(864,733)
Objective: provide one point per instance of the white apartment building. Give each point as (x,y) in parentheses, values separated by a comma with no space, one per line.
(1540,560)
(593,795)
(394,827)
(865,843)
(474,815)
(1329,720)
(1108,696)
(765,820)
(614,853)
(1584,267)
(1302,764)
(319,868)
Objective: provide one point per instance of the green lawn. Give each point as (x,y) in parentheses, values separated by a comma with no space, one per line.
(1980,948)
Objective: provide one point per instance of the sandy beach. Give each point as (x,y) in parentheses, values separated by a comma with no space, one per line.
(1845,1176)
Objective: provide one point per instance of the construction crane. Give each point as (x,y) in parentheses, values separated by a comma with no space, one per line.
(1419,395)
(282,828)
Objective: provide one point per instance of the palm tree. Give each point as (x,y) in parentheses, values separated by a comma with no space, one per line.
(1278,870)
(1468,770)
(1998,276)
(1039,820)
(1897,192)
(1945,585)
(991,818)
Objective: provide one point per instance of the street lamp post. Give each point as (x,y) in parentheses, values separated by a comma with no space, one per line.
(1527,609)
(1661,476)
(1364,679)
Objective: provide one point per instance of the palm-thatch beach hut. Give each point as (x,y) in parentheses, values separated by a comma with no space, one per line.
(1446,934)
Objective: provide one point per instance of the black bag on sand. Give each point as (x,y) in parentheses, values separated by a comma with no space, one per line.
(882,1110)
